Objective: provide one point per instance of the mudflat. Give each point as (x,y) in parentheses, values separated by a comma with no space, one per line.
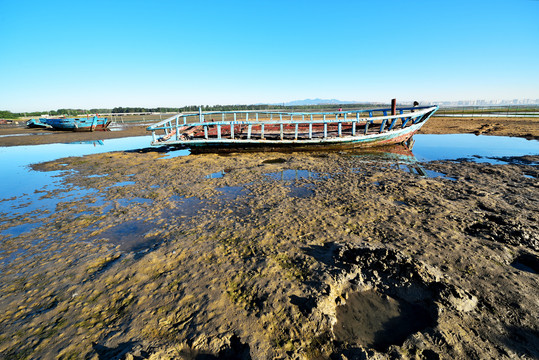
(334,255)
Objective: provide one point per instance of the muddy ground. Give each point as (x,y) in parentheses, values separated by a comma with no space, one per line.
(339,255)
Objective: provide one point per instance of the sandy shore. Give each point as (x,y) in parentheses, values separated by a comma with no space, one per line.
(277,256)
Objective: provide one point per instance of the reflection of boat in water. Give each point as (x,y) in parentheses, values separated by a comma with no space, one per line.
(295,130)
(92,123)
(400,156)
(89,142)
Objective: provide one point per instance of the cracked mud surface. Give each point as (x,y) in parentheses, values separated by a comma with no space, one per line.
(268,255)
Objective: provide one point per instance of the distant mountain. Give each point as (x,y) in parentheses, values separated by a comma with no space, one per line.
(317,102)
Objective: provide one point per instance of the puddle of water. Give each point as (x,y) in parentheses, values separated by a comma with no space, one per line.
(20,229)
(91,142)
(231,192)
(96,176)
(28,203)
(186,207)
(216,175)
(435,174)
(130,235)
(173,152)
(419,170)
(123,183)
(301,192)
(527,262)
(378,321)
(290,175)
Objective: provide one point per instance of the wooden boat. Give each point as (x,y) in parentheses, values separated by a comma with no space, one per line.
(233,130)
(92,123)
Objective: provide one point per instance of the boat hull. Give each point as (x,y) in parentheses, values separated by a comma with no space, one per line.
(79,124)
(345,142)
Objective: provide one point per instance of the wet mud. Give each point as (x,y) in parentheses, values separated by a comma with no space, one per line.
(339,255)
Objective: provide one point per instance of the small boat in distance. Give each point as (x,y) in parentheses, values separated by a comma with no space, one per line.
(92,123)
(242,130)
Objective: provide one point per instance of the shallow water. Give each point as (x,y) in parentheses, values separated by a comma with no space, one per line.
(21,187)
(472,147)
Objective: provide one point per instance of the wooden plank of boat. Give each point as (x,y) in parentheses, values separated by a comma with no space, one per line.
(255,129)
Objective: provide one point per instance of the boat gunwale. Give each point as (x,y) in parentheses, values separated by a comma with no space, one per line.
(416,112)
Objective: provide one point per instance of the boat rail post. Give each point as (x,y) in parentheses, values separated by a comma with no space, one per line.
(340,125)
(325,128)
(383,125)
(281,127)
(232,127)
(311,128)
(177,129)
(393,107)
(392,124)
(200,114)
(405,121)
(219,131)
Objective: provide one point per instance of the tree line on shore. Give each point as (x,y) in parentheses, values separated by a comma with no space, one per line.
(5,114)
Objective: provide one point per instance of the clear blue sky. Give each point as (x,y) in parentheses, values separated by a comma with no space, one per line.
(98,54)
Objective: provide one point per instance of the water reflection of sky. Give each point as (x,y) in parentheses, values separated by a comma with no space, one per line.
(17,179)
(476,148)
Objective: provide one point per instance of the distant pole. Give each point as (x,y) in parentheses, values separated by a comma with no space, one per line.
(393,106)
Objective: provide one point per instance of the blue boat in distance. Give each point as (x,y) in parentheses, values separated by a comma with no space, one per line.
(93,123)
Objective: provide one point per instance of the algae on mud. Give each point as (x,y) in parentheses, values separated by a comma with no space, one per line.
(262,274)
